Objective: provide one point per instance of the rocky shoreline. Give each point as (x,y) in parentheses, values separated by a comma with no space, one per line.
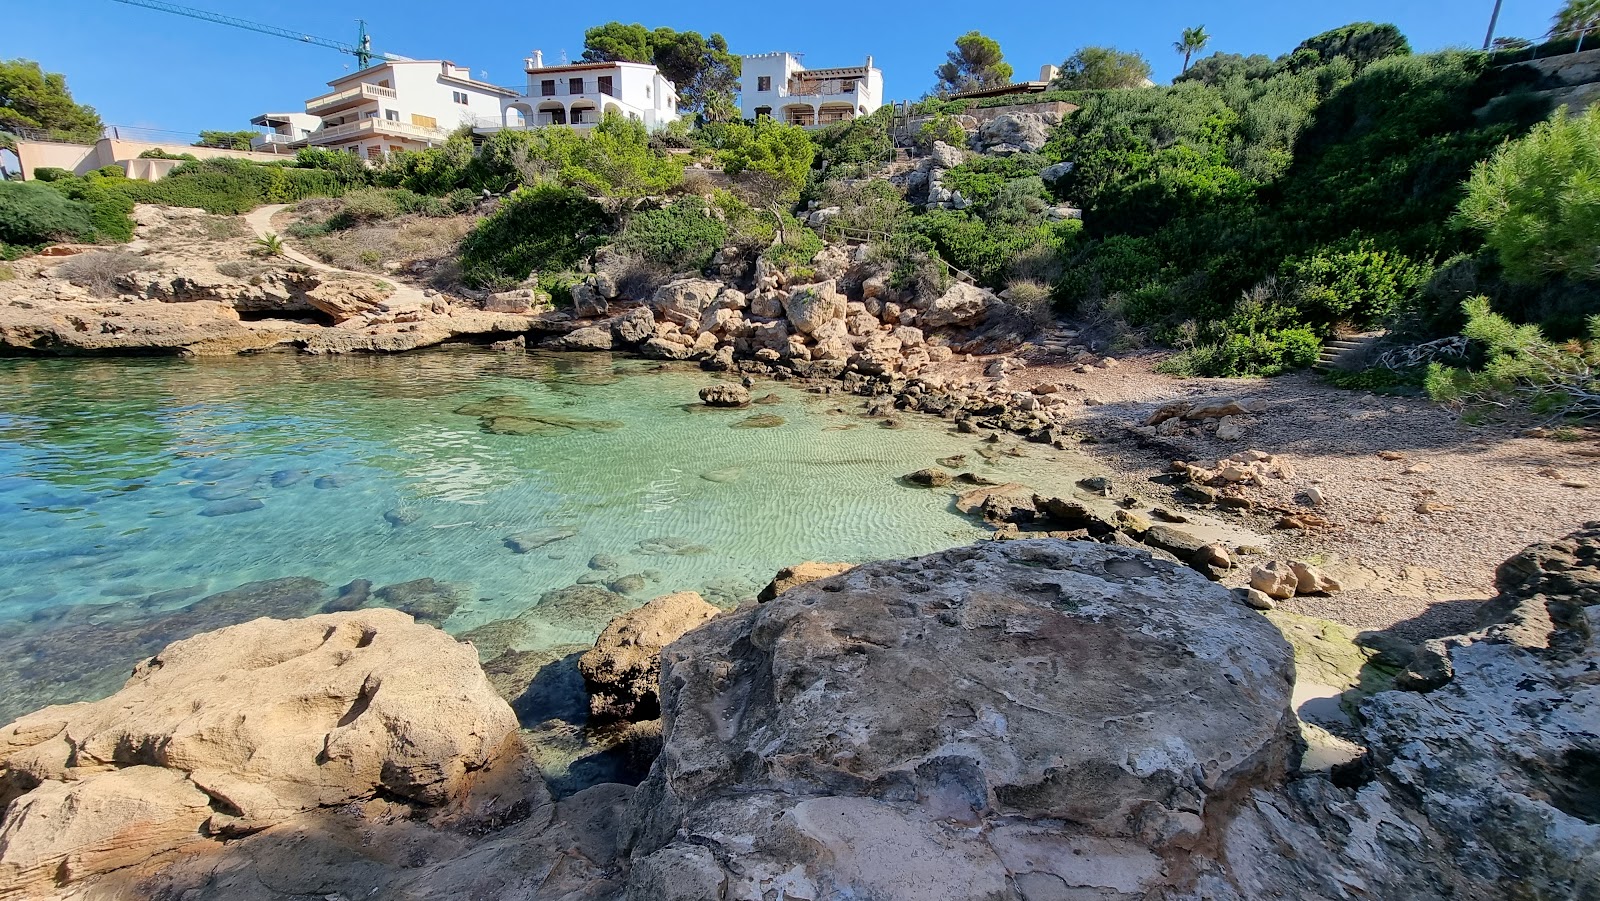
(1011,720)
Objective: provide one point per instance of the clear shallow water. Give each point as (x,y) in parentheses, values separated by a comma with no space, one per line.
(131,490)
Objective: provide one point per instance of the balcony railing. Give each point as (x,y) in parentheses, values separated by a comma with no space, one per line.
(349,97)
(273,140)
(330,133)
(562,87)
(809,87)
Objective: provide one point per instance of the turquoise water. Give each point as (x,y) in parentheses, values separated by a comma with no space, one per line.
(138,495)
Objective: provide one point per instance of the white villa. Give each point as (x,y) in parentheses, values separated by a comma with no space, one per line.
(393,105)
(579,94)
(777,85)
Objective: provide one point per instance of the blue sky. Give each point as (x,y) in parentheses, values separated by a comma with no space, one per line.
(150,69)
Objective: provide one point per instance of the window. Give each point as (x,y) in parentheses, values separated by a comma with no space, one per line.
(647,92)
(764,83)
(392,115)
(547,88)
(422,121)
(763,112)
(460,97)
(370,114)
(605,86)
(846,86)
(574,86)
(375,152)
(355,149)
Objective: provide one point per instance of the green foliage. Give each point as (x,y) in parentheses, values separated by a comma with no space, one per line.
(776,150)
(233,140)
(1582,16)
(1537,200)
(855,148)
(546,228)
(156,153)
(706,74)
(1193,41)
(231,186)
(1101,68)
(986,250)
(33,99)
(51,173)
(1363,43)
(941,128)
(616,160)
(794,254)
(871,205)
(981,178)
(1378,380)
(436,170)
(34,214)
(1360,287)
(975,63)
(1267,353)
(349,169)
(682,235)
(270,245)
(1521,368)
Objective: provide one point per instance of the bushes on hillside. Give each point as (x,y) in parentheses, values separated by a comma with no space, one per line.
(540,229)
(34,214)
(780,152)
(1521,368)
(680,236)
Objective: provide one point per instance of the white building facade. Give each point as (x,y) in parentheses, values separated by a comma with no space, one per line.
(580,94)
(777,86)
(283,130)
(394,105)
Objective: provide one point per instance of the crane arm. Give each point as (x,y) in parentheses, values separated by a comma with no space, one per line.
(362,52)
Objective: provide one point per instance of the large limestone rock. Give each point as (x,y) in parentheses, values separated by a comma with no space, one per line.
(1016,132)
(801,574)
(620,670)
(684,300)
(809,307)
(231,731)
(1038,719)
(343,298)
(962,303)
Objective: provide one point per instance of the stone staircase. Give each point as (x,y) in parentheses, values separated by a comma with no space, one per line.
(1340,348)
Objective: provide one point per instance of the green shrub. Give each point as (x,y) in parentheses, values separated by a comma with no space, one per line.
(540,229)
(51,173)
(794,254)
(1521,369)
(1360,287)
(683,235)
(1537,200)
(855,148)
(34,214)
(777,151)
(941,129)
(1245,354)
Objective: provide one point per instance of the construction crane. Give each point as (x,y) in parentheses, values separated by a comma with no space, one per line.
(361,49)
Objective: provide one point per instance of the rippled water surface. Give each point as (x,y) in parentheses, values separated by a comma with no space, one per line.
(138,496)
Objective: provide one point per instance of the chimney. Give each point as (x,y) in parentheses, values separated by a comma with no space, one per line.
(1048,73)
(536,61)
(869,61)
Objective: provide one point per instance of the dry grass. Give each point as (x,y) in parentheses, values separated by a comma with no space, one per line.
(380,246)
(6,272)
(1033,298)
(98,272)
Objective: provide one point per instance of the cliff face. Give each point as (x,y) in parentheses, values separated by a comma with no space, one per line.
(1020,720)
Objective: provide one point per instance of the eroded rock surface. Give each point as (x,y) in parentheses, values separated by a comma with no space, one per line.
(620,671)
(232,731)
(1062,715)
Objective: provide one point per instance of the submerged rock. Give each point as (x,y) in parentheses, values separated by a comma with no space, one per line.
(670,546)
(428,600)
(230,507)
(528,542)
(1043,713)
(759,421)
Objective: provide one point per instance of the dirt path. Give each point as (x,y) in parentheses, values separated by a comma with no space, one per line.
(404,297)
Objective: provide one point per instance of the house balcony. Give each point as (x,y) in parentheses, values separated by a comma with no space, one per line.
(347,99)
(273,142)
(355,131)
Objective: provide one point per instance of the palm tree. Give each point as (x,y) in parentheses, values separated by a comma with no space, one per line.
(1578,16)
(1196,39)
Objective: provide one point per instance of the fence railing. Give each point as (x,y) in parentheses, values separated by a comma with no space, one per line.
(1511,51)
(847,234)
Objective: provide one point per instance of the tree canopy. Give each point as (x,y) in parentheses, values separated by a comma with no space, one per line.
(703,70)
(1193,41)
(975,63)
(1101,68)
(1578,16)
(234,140)
(31,98)
(779,151)
(1363,43)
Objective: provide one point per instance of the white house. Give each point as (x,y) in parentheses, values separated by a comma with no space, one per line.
(407,104)
(777,85)
(579,94)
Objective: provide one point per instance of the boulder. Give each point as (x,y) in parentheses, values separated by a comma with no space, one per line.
(725,394)
(929,478)
(343,299)
(995,721)
(588,303)
(1275,580)
(1055,173)
(767,304)
(1015,133)
(594,337)
(683,301)
(810,306)
(946,157)
(634,326)
(620,670)
(1311,580)
(962,303)
(231,731)
(801,574)
(520,300)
